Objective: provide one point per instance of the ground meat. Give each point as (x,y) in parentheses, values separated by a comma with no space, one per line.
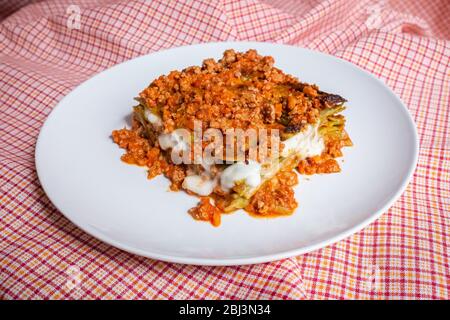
(319,164)
(206,211)
(310,91)
(241,90)
(136,146)
(275,197)
(139,152)
(156,163)
(176,175)
(269,113)
(334,146)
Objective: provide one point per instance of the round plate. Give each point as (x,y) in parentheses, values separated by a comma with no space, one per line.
(80,169)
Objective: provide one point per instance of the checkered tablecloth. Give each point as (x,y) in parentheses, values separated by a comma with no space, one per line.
(47,48)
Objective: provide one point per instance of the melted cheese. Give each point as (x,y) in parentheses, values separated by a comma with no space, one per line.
(200,185)
(249,173)
(173,140)
(307,143)
(152,118)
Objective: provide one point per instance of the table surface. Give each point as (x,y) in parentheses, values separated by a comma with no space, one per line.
(48,48)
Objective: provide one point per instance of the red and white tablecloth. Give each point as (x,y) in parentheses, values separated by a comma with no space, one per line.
(46,51)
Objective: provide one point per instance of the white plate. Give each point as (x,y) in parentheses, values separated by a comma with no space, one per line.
(80,170)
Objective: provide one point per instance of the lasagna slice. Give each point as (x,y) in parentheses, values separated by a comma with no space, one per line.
(241,91)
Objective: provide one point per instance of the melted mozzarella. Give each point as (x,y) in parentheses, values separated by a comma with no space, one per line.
(307,143)
(200,185)
(152,118)
(249,173)
(173,140)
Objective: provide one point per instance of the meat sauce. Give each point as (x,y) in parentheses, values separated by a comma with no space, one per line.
(242,90)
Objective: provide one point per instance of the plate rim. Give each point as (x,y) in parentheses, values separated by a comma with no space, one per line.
(247,260)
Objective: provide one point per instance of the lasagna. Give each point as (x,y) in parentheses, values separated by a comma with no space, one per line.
(297,127)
